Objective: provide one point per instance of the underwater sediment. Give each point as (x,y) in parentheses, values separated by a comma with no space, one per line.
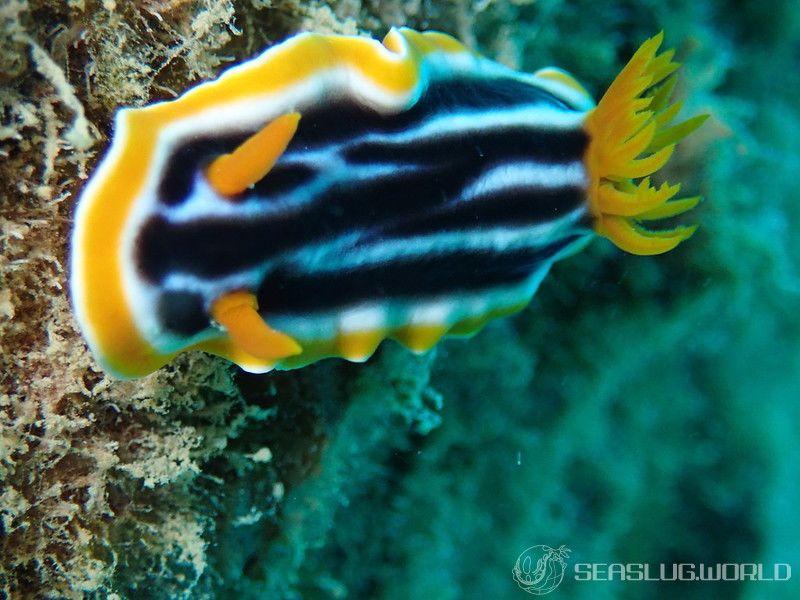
(640,410)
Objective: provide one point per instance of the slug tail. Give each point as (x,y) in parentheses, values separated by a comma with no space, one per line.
(631,137)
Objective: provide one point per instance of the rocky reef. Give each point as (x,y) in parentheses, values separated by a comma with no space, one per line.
(640,410)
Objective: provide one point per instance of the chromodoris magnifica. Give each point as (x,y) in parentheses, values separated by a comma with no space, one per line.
(335,191)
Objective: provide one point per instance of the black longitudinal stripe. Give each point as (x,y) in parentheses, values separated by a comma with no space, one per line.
(283,178)
(185,161)
(176,184)
(517,206)
(289,291)
(216,247)
(342,120)
(488,92)
(547,146)
(221,246)
(182,312)
(345,119)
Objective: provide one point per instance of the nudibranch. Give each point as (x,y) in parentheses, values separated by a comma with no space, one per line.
(336,191)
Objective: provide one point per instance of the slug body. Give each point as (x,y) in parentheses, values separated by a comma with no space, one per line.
(336,191)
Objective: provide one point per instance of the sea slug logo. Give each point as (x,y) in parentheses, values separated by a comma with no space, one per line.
(548,572)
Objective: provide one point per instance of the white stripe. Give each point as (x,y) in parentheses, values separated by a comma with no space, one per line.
(527,174)
(544,117)
(538,115)
(349,255)
(204,202)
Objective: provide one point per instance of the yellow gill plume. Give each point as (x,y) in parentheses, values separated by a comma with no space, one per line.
(630,139)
